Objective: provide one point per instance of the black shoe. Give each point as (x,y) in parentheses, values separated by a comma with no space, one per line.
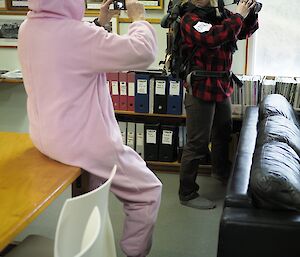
(189,197)
(199,203)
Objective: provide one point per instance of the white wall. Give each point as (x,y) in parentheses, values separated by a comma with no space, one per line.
(8,56)
(9,59)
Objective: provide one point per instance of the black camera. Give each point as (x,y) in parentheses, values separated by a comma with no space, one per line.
(256,8)
(119,5)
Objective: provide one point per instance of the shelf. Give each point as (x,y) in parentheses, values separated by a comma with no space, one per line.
(161,116)
(174,167)
(11,81)
(149,114)
(13,12)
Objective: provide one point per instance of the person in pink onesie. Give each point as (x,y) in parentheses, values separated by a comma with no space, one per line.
(71,117)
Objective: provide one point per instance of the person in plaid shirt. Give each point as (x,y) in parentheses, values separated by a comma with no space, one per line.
(209,37)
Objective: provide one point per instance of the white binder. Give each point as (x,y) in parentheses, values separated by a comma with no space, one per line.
(131,134)
(123,129)
(139,135)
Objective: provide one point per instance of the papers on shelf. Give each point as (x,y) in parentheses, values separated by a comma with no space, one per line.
(16,74)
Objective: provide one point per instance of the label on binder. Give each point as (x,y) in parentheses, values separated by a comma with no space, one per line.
(130,88)
(167,137)
(130,138)
(174,88)
(123,88)
(142,86)
(114,88)
(139,139)
(123,134)
(160,87)
(151,136)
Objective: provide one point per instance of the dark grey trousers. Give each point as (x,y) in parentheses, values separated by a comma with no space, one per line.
(205,122)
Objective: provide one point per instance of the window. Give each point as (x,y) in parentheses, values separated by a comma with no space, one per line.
(276,44)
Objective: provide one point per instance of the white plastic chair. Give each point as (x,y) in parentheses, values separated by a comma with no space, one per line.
(83,230)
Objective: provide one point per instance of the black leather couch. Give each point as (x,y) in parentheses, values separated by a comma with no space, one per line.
(261,215)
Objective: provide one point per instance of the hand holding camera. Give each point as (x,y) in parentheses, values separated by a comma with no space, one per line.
(245,6)
(106,13)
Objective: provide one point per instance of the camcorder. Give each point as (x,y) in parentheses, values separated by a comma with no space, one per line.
(256,8)
(119,5)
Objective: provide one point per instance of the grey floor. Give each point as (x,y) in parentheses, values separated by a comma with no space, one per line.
(180,231)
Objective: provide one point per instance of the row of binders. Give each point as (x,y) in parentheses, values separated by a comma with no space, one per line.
(146,92)
(154,142)
(153,92)
(255,88)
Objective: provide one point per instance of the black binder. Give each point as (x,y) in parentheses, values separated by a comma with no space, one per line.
(160,94)
(168,143)
(151,142)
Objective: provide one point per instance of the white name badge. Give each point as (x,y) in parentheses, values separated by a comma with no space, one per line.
(202,26)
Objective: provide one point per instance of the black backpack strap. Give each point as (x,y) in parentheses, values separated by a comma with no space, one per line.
(221,6)
(237,80)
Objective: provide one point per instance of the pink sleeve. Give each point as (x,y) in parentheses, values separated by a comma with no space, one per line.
(111,52)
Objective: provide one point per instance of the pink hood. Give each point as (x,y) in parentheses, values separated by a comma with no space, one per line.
(73,9)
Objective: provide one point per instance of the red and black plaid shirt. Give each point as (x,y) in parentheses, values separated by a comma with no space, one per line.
(215,48)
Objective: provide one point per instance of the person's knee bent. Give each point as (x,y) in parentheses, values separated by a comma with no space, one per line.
(156,198)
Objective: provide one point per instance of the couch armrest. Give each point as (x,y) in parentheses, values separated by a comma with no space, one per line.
(237,190)
(260,233)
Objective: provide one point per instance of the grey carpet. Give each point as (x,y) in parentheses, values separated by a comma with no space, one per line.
(180,231)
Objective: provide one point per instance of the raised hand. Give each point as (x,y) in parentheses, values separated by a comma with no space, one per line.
(244,7)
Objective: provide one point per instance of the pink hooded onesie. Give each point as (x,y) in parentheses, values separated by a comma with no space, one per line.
(64,63)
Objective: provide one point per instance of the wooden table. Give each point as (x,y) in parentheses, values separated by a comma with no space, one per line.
(29,182)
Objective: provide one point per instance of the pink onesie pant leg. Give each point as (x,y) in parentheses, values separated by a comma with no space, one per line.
(140,191)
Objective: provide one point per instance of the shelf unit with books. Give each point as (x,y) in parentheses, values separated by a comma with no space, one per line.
(255,88)
(176,120)
(167,119)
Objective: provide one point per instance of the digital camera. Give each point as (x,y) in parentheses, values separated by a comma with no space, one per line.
(119,5)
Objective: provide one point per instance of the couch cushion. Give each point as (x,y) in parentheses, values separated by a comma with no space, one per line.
(276,104)
(278,128)
(275,176)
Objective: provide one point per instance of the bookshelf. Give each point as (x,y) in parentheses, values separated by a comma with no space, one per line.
(176,120)
(173,167)
(265,87)
(149,118)
(11,81)
(13,7)
(162,116)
